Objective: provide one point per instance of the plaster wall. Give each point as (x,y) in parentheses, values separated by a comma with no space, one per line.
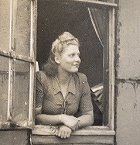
(14,137)
(129,40)
(128,73)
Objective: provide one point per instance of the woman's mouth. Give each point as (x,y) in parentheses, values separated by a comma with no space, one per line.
(76,65)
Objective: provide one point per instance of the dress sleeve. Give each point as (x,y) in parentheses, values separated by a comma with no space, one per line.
(39,93)
(85,101)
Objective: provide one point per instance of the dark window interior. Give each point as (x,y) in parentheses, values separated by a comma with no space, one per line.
(53,18)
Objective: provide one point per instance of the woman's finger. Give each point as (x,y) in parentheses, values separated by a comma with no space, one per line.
(67,135)
(64,132)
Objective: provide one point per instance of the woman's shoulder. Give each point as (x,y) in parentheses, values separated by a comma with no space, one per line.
(82,77)
(40,75)
(83,82)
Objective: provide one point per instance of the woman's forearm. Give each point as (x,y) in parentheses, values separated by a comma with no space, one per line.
(45,119)
(86,120)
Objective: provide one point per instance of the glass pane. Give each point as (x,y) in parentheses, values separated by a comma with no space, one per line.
(22,11)
(4,63)
(21,91)
(4,24)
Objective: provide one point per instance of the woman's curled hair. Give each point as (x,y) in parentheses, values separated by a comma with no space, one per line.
(58,46)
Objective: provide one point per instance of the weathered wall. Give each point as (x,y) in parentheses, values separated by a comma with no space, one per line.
(17,137)
(128,74)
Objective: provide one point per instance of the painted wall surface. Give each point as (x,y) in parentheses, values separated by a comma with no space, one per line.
(17,137)
(128,74)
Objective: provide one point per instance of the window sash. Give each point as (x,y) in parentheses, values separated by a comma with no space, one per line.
(90,2)
(30,60)
(111,67)
(13,55)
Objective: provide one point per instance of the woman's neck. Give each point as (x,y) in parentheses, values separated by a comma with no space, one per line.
(63,76)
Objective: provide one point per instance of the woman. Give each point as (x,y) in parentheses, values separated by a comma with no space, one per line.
(63,94)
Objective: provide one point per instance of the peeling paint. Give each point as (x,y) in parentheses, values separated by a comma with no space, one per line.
(131,81)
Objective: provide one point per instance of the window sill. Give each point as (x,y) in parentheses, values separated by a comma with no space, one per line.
(92,134)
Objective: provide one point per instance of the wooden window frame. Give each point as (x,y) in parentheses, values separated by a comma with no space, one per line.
(91,134)
(12,55)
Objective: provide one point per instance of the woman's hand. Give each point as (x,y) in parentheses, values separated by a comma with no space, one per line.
(69,121)
(64,132)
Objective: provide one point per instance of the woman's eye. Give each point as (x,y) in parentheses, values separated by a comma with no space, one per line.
(72,55)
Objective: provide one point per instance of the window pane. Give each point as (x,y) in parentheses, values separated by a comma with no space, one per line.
(22,27)
(4,24)
(4,63)
(21,91)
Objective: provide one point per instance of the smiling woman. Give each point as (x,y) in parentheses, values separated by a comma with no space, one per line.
(92,25)
(63,97)
(69,59)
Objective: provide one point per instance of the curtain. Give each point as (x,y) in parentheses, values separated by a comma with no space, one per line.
(99,20)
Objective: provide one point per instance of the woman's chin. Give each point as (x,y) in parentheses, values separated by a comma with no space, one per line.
(74,70)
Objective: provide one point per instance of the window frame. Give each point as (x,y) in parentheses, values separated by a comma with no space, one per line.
(91,134)
(12,55)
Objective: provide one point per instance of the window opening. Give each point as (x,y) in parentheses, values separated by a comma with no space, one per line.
(90,26)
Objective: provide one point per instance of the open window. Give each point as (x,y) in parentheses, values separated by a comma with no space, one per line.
(16,64)
(92,22)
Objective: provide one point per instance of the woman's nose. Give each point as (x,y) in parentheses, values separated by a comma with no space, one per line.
(77,58)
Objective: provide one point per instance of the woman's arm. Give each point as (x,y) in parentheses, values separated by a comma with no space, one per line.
(86,119)
(45,119)
(40,118)
(63,119)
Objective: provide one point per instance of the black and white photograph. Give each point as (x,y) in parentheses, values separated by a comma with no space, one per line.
(69,72)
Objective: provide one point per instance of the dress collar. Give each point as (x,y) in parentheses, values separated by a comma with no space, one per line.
(71,87)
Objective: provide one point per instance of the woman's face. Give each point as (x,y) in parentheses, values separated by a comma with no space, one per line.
(69,59)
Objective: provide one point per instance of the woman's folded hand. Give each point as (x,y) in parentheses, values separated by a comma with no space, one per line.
(69,121)
(64,132)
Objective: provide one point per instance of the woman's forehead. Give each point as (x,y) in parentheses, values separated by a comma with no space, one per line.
(71,48)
